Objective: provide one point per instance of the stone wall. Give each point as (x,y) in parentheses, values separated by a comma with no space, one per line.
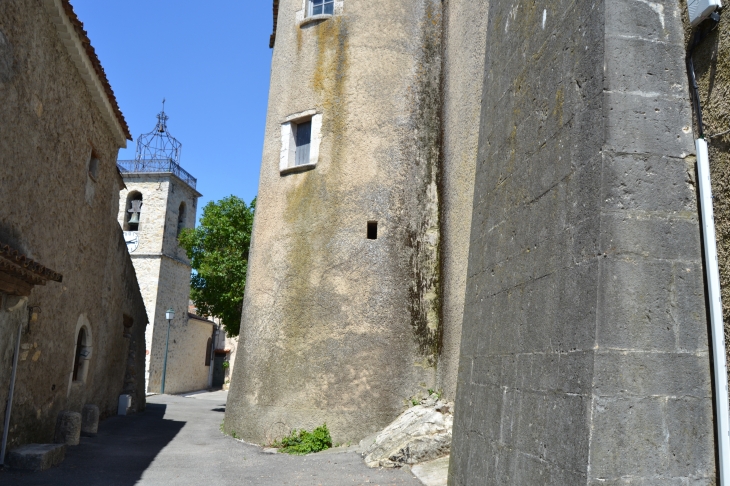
(186,367)
(173,291)
(465,29)
(338,328)
(584,352)
(57,214)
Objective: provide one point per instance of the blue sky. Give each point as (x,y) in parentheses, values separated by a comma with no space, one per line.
(211,61)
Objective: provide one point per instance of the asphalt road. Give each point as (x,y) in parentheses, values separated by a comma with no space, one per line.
(177,441)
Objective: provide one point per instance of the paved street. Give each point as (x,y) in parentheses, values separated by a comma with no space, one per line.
(177,441)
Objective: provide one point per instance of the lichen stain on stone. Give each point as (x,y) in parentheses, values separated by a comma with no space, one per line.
(329,82)
(423,236)
(558,110)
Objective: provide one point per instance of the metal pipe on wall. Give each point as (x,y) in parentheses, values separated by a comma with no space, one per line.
(9,407)
(712,272)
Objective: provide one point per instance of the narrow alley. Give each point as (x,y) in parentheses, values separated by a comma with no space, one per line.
(177,441)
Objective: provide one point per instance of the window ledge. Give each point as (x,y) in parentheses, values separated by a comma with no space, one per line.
(297,168)
(314,18)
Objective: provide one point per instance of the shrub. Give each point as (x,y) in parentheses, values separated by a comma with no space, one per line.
(303,442)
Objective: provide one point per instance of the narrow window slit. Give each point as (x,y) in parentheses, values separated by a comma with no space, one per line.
(372,230)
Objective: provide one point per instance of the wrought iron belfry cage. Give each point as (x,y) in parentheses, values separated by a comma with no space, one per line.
(159,144)
(158,151)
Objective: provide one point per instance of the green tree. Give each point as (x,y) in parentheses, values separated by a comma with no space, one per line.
(218,252)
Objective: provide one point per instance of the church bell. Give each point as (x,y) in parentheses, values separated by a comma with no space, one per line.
(134,219)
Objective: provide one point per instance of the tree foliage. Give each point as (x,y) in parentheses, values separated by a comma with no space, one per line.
(218,251)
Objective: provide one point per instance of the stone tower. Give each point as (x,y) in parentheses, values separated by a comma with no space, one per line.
(340,321)
(160,200)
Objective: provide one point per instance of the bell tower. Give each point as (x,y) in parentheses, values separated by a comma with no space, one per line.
(159,200)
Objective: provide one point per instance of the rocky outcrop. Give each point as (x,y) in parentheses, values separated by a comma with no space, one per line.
(421,433)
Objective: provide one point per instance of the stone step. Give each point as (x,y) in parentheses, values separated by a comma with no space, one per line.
(36,457)
(432,473)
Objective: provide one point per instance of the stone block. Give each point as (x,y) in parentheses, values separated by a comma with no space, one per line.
(627,232)
(637,181)
(656,128)
(575,372)
(89,420)
(532,427)
(68,428)
(637,65)
(567,436)
(691,436)
(629,438)
(651,21)
(623,373)
(36,457)
(641,323)
(531,470)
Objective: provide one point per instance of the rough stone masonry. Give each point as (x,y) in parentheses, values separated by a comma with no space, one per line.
(584,353)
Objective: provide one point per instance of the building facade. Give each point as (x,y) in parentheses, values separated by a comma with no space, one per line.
(158,202)
(67,280)
(497,201)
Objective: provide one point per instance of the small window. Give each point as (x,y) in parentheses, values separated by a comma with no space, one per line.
(300,139)
(133,211)
(208,350)
(180,218)
(93,167)
(81,356)
(303,137)
(321,7)
(372,230)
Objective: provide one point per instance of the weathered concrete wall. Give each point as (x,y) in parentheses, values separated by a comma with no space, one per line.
(584,347)
(186,367)
(712,69)
(337,328)
(52,210)
(465,29)
(164,273)
(173,291)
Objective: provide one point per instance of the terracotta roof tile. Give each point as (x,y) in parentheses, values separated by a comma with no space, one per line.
(272,39)
(19,274)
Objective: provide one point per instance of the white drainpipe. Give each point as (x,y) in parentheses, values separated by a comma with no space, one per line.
(716,322)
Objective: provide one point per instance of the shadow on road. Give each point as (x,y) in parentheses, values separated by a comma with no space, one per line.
(118,456)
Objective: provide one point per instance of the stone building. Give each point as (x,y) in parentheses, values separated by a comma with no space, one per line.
(82,322)
(549,145)
(159,200)
(585,353)
(356,275)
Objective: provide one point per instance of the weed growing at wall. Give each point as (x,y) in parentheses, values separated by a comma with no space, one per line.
(232,434)
(303,442)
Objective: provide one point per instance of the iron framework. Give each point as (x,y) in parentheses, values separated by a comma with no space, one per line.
(158,151)
(157,165)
